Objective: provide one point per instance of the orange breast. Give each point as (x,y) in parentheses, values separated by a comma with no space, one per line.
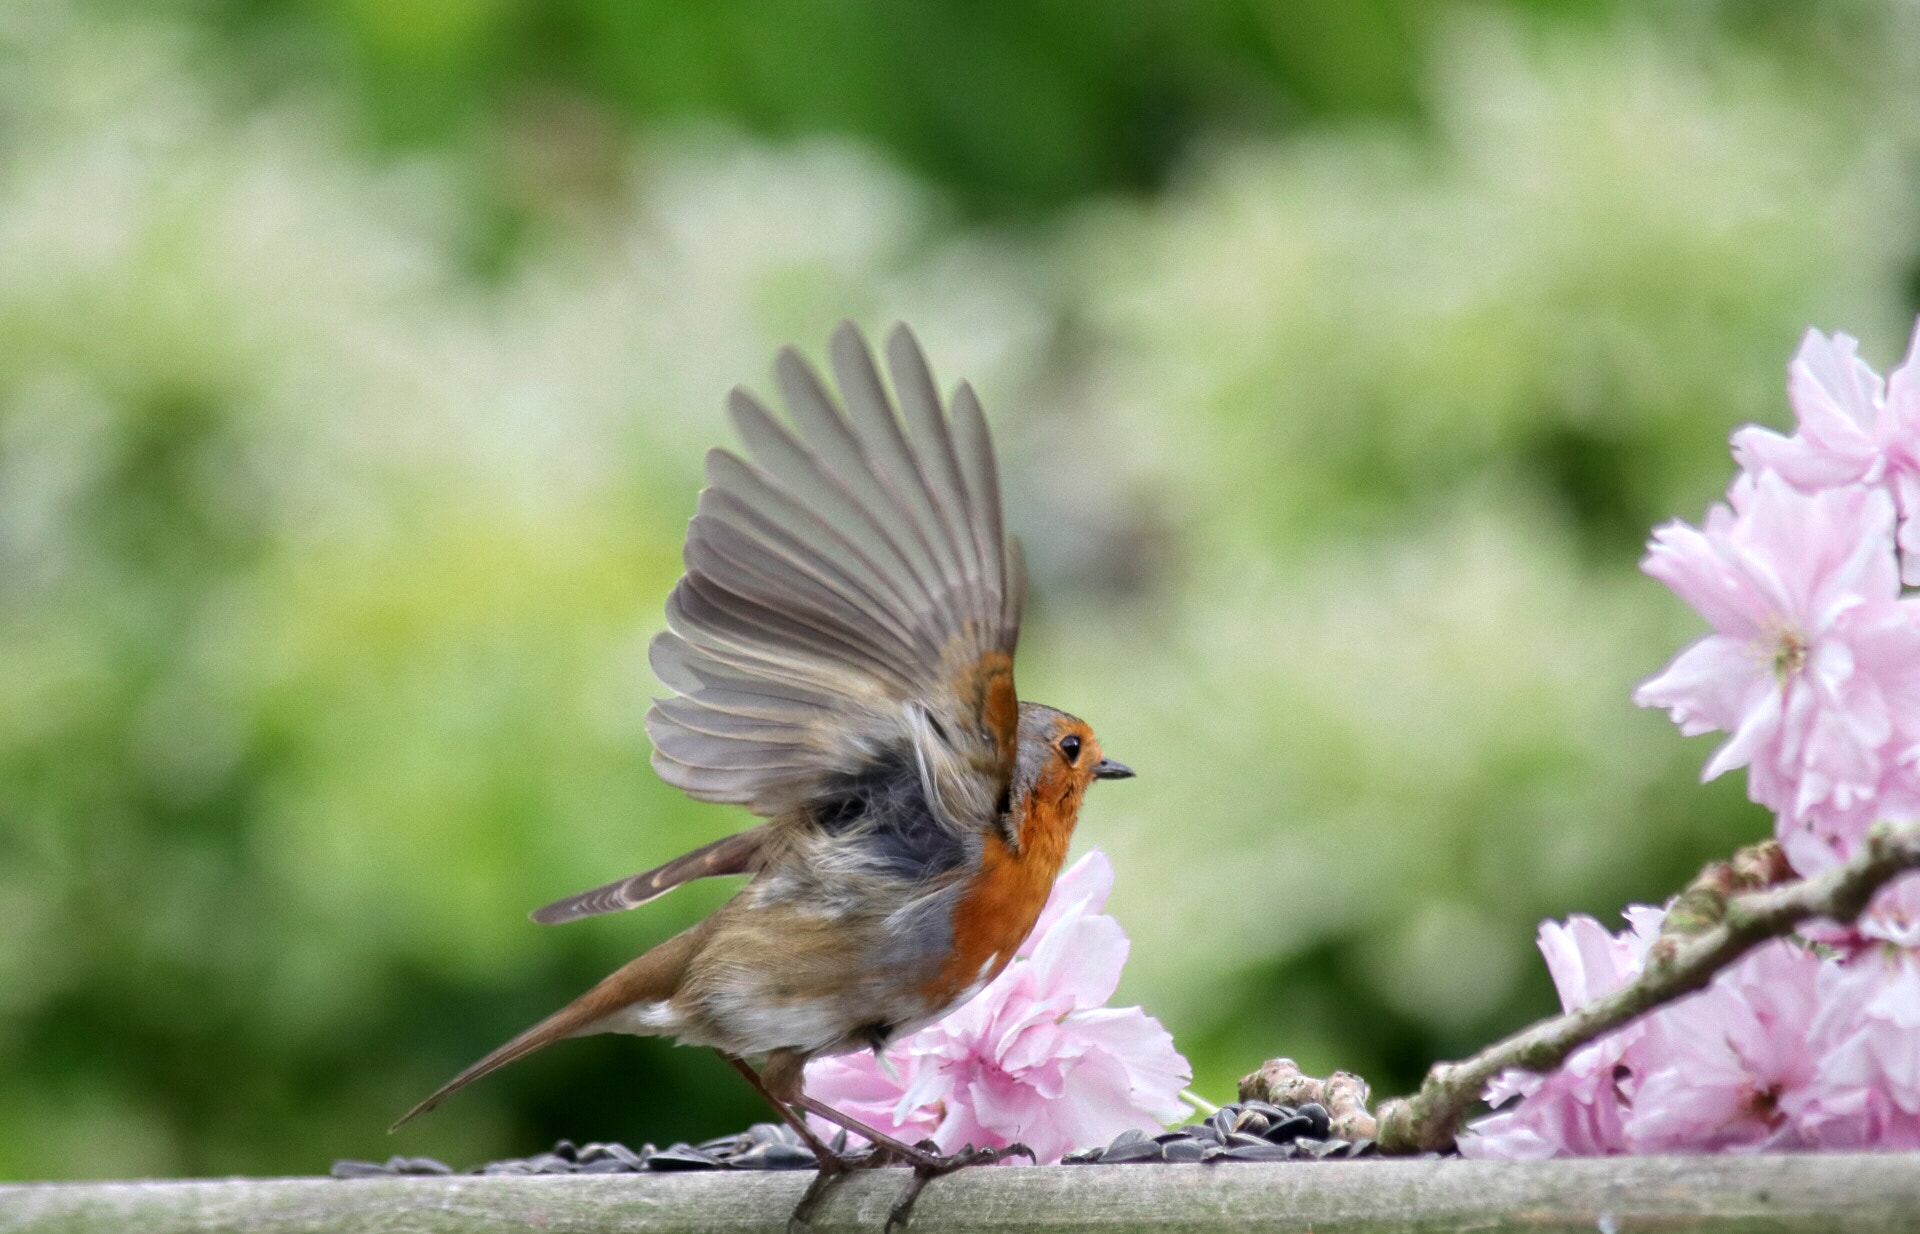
(1000,905)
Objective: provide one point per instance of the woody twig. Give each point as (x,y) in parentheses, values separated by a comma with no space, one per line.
(1731,908)
(1344,1095)
(1712,924)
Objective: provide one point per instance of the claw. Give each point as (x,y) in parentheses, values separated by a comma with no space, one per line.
(903,1207)
(925,1172)
(831,1168)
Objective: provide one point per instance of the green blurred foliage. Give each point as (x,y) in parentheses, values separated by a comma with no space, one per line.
(1012,106)
(356,364)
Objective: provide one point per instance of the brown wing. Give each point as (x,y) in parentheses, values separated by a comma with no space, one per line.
(850,593)
(736,854)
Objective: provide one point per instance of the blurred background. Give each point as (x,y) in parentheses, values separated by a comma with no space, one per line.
(356,362)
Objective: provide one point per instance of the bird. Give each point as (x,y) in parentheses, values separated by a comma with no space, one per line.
(839,653)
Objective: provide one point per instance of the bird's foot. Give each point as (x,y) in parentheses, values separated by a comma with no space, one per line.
(929,1165)
(834,1164)
(830,1171)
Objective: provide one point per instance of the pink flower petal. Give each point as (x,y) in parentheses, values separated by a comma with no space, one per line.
(1034,1057)
(1709,687)
(1080,960)
(1088,881)
(1814,666)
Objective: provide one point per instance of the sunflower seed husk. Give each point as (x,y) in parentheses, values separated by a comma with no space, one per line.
(1141,1149)
(1288,1129)
(593,1154)
(683,1157)
(1262,1151)
(1183,1150)
(774,1157)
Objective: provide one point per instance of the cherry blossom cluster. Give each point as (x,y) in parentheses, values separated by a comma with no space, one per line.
(1812,668)
(1035,1058)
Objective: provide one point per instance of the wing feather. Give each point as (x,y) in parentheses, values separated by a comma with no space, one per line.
(751,616)
(855,597)
(868,518)
(894,466)
(735,854)
(724,619)
(933,442)
(883,590)
(850,597)
(973,447)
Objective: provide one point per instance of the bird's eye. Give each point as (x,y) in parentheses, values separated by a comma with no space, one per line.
(1070,748)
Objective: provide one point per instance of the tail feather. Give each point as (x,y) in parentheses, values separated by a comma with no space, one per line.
(651,977)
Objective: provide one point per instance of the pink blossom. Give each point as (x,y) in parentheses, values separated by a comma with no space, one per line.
(1813,669)
(855,1085)
(1585,961)
(1730,1067)
(1082,888)
(1893,916)
(1814,662)
(1787,1048)
(1576,1111)
(1036,1057)
(1580,1108)
(1869,1068)
(1852,429)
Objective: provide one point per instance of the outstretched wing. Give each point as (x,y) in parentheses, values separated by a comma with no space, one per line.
(850,597)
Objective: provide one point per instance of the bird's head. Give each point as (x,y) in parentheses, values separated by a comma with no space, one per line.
(1058,758)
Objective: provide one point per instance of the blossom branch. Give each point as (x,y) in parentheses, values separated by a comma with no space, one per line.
(1701,942)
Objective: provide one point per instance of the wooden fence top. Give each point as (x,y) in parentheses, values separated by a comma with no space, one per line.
(1788,1194)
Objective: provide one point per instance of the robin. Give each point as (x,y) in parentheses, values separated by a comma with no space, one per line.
(841,655)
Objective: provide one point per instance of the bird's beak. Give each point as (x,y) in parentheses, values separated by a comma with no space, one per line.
(1107,769)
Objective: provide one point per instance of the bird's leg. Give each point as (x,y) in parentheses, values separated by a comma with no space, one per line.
(780,1084)
(923,1174)
(786,1075)
(910,1154)
(925,1171)
(927,1162)
(829,1161)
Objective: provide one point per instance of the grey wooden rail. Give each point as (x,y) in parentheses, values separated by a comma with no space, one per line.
(1799,1194)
